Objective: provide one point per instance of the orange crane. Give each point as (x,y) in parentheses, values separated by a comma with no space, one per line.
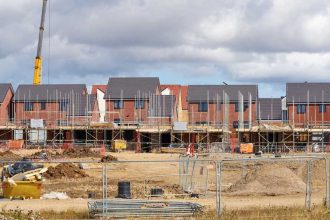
(38,60)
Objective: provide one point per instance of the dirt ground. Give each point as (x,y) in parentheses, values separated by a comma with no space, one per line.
(243,185)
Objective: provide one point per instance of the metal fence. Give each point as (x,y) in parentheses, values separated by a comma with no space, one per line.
(189,183)
(178,181)
(194,173)
(302,181)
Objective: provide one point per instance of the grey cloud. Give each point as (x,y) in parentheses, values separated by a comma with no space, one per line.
(192,40)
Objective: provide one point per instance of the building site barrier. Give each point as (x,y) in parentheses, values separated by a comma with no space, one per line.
(303,181)
(194,182)
(97,183)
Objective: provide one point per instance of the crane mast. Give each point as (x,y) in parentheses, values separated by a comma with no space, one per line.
(38,60)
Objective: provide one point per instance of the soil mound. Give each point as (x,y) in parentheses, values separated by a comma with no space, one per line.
(80,152)
(71,153)
(109,158)
(9,156)
(64,170)
(318,173)
(270,179)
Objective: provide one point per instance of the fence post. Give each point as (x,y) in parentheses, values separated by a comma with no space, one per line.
(308,185)
(103,199)
(187,173)
(192,173)
(106,188)
(327,182)
(218,186)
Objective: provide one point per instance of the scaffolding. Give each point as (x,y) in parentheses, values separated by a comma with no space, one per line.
(149,120)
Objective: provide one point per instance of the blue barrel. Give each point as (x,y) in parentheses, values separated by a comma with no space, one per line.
(124,190)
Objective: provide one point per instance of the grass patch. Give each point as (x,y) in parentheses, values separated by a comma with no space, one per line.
(69,214)
(271,213)
(19,214)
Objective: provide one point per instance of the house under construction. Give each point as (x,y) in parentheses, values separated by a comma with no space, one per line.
(148,115)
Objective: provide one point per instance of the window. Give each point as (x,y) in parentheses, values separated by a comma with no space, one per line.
(301,109)
(285,115)
(28,106)
(116,120)
(62,123)
(118,104)
(25,122)
(245,124)
(203,107)
(218,106)
(63,106)
(42,105)
(139,104)
(246,105)
(322,108)
(238,106)
(201,123)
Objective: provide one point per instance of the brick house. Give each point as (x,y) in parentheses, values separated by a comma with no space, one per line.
(6,95)
(55,104)
(207,105)
(308,103)
(128,99)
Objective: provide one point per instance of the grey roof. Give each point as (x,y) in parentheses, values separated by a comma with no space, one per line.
(131,87)
(48,92)
(4,87)
(245,90)
(203,92)
(298,92)
(161,105)
(270,108)
(212,93)
(81,105)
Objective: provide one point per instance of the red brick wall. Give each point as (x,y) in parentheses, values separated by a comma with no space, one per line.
(51,115)
(128,113)
(160,121)
(196,116)
(79,120)
(216,116)
(96,112)
(5,108)
(312,115)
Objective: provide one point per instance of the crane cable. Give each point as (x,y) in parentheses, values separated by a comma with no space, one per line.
(48,58)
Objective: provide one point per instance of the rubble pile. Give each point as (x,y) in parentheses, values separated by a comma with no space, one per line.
(64,170)
(9,156)
(109,158)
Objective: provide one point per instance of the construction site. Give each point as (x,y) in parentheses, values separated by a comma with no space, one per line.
(167,116)
(134,147)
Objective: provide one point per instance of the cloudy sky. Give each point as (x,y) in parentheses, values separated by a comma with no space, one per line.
(181,41)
